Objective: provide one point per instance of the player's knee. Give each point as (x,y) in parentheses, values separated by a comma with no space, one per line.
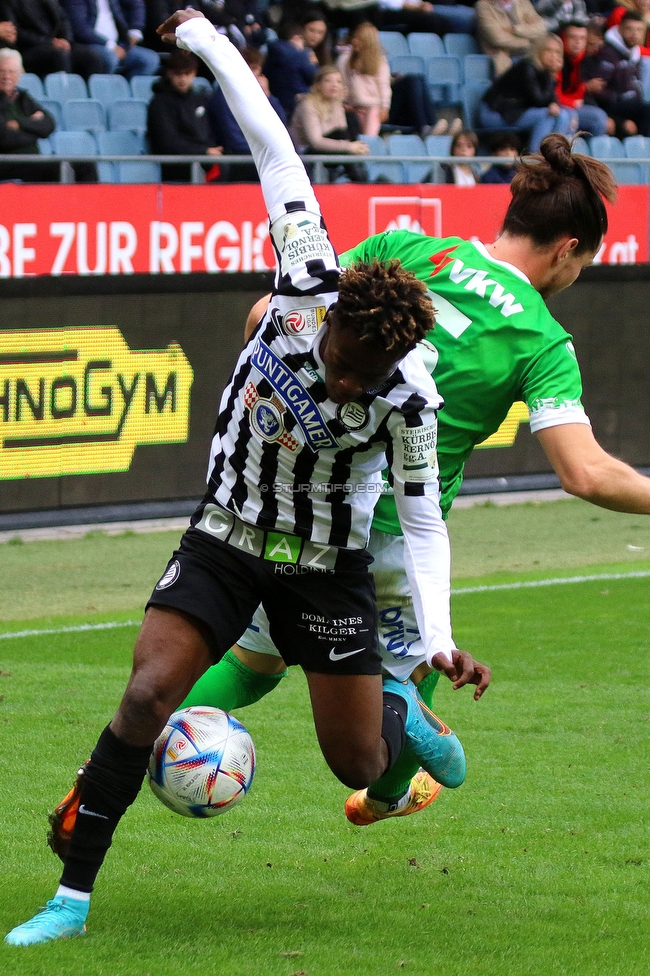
(147,705)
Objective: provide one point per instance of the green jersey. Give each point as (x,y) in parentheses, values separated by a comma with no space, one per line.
(495,343)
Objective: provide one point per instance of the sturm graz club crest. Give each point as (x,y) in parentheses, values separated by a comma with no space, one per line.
(353,416)
(267,418)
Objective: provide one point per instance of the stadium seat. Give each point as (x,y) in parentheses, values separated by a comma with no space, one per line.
(607,148)
(459,44)
(425,45)
(410,146)
(444,76)
(108,88)
(471,94)
(84,114)
(63,86)
(645,78)
(638,147)
(477,67)
(54,108)
(381,172)
(73,144)
(121,142)
(128,114)
(393,43)
(45,147)
(141,86)
(31,83)
(137,172)
(437,146)
(202,84)
(580,145)
(406,64)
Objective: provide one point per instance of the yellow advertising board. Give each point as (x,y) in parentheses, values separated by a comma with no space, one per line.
(78,401)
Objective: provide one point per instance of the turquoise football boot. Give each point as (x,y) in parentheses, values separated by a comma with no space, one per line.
(62,918)
(434,745)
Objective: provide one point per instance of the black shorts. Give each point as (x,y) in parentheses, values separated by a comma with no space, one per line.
(323,621)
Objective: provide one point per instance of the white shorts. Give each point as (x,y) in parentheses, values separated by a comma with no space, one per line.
(400,643)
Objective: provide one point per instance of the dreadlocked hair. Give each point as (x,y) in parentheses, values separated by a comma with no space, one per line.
(557,192)
(385,304)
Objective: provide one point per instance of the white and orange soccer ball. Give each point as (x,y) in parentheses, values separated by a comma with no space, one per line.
(202,763)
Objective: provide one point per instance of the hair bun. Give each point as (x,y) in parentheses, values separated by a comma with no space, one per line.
(556,150)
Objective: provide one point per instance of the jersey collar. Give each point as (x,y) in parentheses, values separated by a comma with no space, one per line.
(481,248)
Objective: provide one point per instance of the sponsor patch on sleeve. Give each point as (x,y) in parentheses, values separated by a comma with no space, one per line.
(302,240)
(415,457)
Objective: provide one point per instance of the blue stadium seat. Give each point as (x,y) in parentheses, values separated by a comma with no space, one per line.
(406,64)
(381,172)
(108,88)
(410,146)
(120,142)
(645,78)
(638,147)
(580,145)
(128,114)
(32,83)
(84,113)
(54,108)
(73,144)
(437,146)
(45,147)
(477,67)
(444,76)
(425,45)
(202,84)
(460,44)
(609,147)
(471,94)
(137,172)
(141,86)
(606,147)
(393,43)
(63,86)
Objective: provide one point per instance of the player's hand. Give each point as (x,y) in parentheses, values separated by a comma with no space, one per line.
(167,30)
(463,670)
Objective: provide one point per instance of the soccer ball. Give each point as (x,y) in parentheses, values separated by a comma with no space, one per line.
(202,763)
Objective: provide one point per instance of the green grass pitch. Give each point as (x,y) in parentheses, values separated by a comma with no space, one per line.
(538,865)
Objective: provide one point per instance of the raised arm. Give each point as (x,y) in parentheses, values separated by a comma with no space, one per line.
(282,174)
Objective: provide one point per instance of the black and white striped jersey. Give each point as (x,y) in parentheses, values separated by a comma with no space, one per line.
(284,456)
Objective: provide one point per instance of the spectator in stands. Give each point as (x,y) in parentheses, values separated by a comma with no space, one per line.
(317,37)
(575,93)
(640,7)
(464,145)
(178,120)
(411,108)
(420,16)
(228,133)
(320,123)
(525,95)
(558,13)
(508,146)
(42,34)
(366,76)
(113,29)
(507,29)
(22,122)
(619,64)
(289,66)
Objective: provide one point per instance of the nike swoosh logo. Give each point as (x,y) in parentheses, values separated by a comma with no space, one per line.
(90,813)
(339,657)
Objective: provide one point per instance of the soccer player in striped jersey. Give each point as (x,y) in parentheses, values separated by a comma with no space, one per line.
(327,392)
(494,343)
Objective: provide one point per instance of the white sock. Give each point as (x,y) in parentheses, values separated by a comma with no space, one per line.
(63,892)
(382,807)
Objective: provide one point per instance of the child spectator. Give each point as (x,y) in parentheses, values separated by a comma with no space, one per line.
(508,146)
(464,145)
(178,121)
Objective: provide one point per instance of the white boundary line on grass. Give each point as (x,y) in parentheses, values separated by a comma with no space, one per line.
(559,581)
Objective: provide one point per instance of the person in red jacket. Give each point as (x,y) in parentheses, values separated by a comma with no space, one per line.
(573,92)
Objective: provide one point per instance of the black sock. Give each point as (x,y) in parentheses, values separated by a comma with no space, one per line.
(109,786)
(392,726)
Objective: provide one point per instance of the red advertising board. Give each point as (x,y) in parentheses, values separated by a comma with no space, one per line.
(112,229)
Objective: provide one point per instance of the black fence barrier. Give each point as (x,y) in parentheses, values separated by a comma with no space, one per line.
(110,386)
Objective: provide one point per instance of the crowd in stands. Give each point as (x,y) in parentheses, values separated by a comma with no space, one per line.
(544,65)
